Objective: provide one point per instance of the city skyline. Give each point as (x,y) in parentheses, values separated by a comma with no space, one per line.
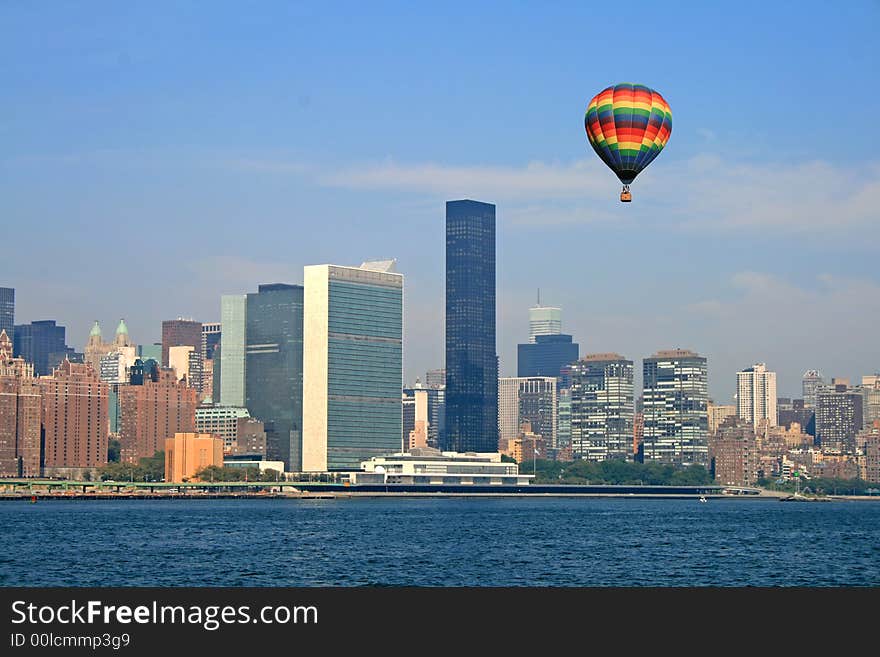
(132,125)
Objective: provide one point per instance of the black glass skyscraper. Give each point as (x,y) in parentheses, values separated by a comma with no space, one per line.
(471,361)
(274,367)
(7,310)
(40,343)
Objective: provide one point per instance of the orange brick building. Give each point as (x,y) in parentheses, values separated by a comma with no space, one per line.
(187,453)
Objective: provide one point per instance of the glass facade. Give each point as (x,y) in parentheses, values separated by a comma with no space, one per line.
(675,398)
(471,360)
(546,356)
(273,368)
(40,343)
(233,312)
(602,408)
(7,311)
(364,371)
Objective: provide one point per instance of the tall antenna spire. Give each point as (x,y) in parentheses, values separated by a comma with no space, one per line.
(539,296)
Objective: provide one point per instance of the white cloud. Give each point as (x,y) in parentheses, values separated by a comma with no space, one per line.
(704,192)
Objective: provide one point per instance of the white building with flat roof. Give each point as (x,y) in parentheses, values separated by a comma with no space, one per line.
(431,466)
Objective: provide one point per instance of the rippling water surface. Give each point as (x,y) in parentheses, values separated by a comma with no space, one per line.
(441,542)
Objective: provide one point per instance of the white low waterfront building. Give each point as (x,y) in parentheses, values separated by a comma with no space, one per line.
(430,466)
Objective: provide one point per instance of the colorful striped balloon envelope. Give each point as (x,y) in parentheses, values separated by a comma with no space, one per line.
(628,125)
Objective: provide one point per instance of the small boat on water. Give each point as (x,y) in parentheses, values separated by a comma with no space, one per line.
(703,498)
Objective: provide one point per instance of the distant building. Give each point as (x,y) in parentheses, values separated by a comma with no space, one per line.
(211,332)
(810,384)
(20,414)
(221,421)
(675,398)
(546,356)
(75,417)
(733,454)
(871,392)
(796,411)
(233,311)
(527,399)
(544,320)
(250,438)
(96,348)
(839,416)
(417,416)
(638,433)
(471,358)
(188,453)
(150,352)
(756,395)
(186,361)
(352,364)
(40,343)
(430,466)
(178,333)
(7,311)
(868,449)
(563,421)
(602,407)
(435,379)
(153,407)
(717,413)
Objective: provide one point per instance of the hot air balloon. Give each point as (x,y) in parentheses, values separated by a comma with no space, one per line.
(628,125)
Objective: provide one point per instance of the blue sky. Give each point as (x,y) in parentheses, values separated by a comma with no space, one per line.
(154,156)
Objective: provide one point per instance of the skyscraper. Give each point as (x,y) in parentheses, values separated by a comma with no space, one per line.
(544,320)
(179,333)
(839,416)
(7,311)
(810,383)
(756,395)
(675,398)
(40,343)
(233,314)
(352,364)
(547,356)
(274,368)
(602,407)
(471,360)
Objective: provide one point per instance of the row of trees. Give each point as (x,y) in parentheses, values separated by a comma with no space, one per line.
(148,468)
(616,472)
(216,473)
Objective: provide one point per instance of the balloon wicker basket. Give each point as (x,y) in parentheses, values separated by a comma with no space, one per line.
(625,196)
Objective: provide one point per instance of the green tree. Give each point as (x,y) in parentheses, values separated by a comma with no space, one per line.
(114,448)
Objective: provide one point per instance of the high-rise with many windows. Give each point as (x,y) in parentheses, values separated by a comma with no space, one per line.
(233,311)
(756,395)
(527,399)
(602,407)
(7,310)
(810,384)
(675,398)
(471,360)
(544,320)
(180,333)
(352,364)
(274,368)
